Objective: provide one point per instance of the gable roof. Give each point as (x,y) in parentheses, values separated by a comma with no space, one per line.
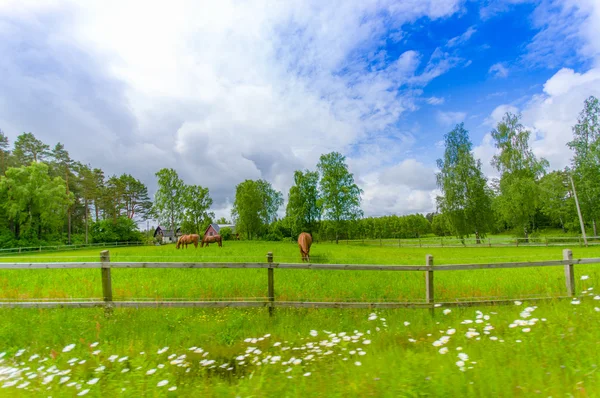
(217,227)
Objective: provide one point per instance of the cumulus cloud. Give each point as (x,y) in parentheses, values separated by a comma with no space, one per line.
(219,91)
(450,118)
(498,70)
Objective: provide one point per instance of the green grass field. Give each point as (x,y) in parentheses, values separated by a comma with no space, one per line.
(514,350)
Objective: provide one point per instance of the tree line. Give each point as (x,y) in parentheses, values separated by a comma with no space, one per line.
(48,197)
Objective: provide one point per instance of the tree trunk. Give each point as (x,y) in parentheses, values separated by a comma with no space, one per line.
(562,225)
(477,238)
(86,220)
(594,225)
(526,235)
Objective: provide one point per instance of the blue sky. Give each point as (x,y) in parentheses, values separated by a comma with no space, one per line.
(229,91)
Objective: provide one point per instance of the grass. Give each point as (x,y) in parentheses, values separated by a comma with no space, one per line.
(557,356)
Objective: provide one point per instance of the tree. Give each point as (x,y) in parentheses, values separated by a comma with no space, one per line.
(303,208)
(168,199)
(4,152)
(255,206)
(33,201)
(466,200)
(196,202)
(339,195)
(555,200)
(137,203)
(518,197)
(586,160)
(88,185)
(63,165)
(222,220)
(29,149)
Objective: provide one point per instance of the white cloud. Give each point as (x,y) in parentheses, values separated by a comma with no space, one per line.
(498,70)
(450,118)
(499,112)
(458,40)
(435,100)
(220,91)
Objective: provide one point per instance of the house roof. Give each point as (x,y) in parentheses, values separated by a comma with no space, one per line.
(217,227)
(167,233)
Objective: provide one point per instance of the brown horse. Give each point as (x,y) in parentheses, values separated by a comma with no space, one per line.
(211,239)
(188,240)
(304,242)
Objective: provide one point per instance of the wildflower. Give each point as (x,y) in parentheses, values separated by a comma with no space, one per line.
(164,349)
(125,370)
(112,358)
(63,379)
(162,383)
(100,368)
(406,323)
(447,311)
(357,363)
(493,338)
(372,317)
(575,302)
(518,302)
(412,340)
(96,352)
(460,363)
(451,331)
(123,359)
(443,350)
(526,330)
(596,297)
(151,371)
(584,277)
(297,361)
(93,381)
(366,341)
(84,392)
(314,333)
(596,309)
(362,353)
(463,356)
(307,374)
(68,348)
(437,305)
(173,388)
(94,344)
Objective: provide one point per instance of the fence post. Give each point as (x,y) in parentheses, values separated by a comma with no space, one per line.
(106,281)
(429,281)
(569,274)
(271,282)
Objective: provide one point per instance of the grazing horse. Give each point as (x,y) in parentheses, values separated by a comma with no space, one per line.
(304,242)
(211,239)
(187,240)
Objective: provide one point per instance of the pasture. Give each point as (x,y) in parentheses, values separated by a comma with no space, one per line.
(515,350)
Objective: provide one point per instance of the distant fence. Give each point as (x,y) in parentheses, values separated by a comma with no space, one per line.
(105,265)
(472,242)
(55,248)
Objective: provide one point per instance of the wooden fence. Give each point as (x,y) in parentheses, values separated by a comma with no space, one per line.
(105,265)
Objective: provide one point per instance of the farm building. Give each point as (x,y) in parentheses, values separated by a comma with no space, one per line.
(167,235)
(214,229)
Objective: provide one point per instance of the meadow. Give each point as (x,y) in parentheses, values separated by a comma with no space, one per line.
(526,349)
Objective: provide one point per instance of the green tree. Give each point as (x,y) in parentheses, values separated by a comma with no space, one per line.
(440,225)
(33,201)
(466,200)
(29,149)
(255,206)
(63,167)
(196,202)
(303,208)
(222,220)
(556,202)
(137,203)
(520,170)
(168,199)
(586,159)
(339,195)
(4,152)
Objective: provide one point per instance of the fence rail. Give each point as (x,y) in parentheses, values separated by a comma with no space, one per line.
(105,265)
(472,242)
(54,248)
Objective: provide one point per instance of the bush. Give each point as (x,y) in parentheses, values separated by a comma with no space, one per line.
(120,230)
(226,233)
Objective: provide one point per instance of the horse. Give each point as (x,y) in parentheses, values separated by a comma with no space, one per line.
(304,242)
(211,239)
(188,240)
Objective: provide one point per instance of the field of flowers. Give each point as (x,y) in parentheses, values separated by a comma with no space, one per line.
(524,349)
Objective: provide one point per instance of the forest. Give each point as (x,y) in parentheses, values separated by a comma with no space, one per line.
(49,198)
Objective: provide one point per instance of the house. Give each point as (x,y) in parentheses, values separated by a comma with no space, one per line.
(167,235)
(215,229)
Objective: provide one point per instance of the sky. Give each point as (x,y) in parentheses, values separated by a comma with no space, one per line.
(233,90)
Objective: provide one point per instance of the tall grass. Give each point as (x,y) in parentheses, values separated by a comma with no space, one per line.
(552,350)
